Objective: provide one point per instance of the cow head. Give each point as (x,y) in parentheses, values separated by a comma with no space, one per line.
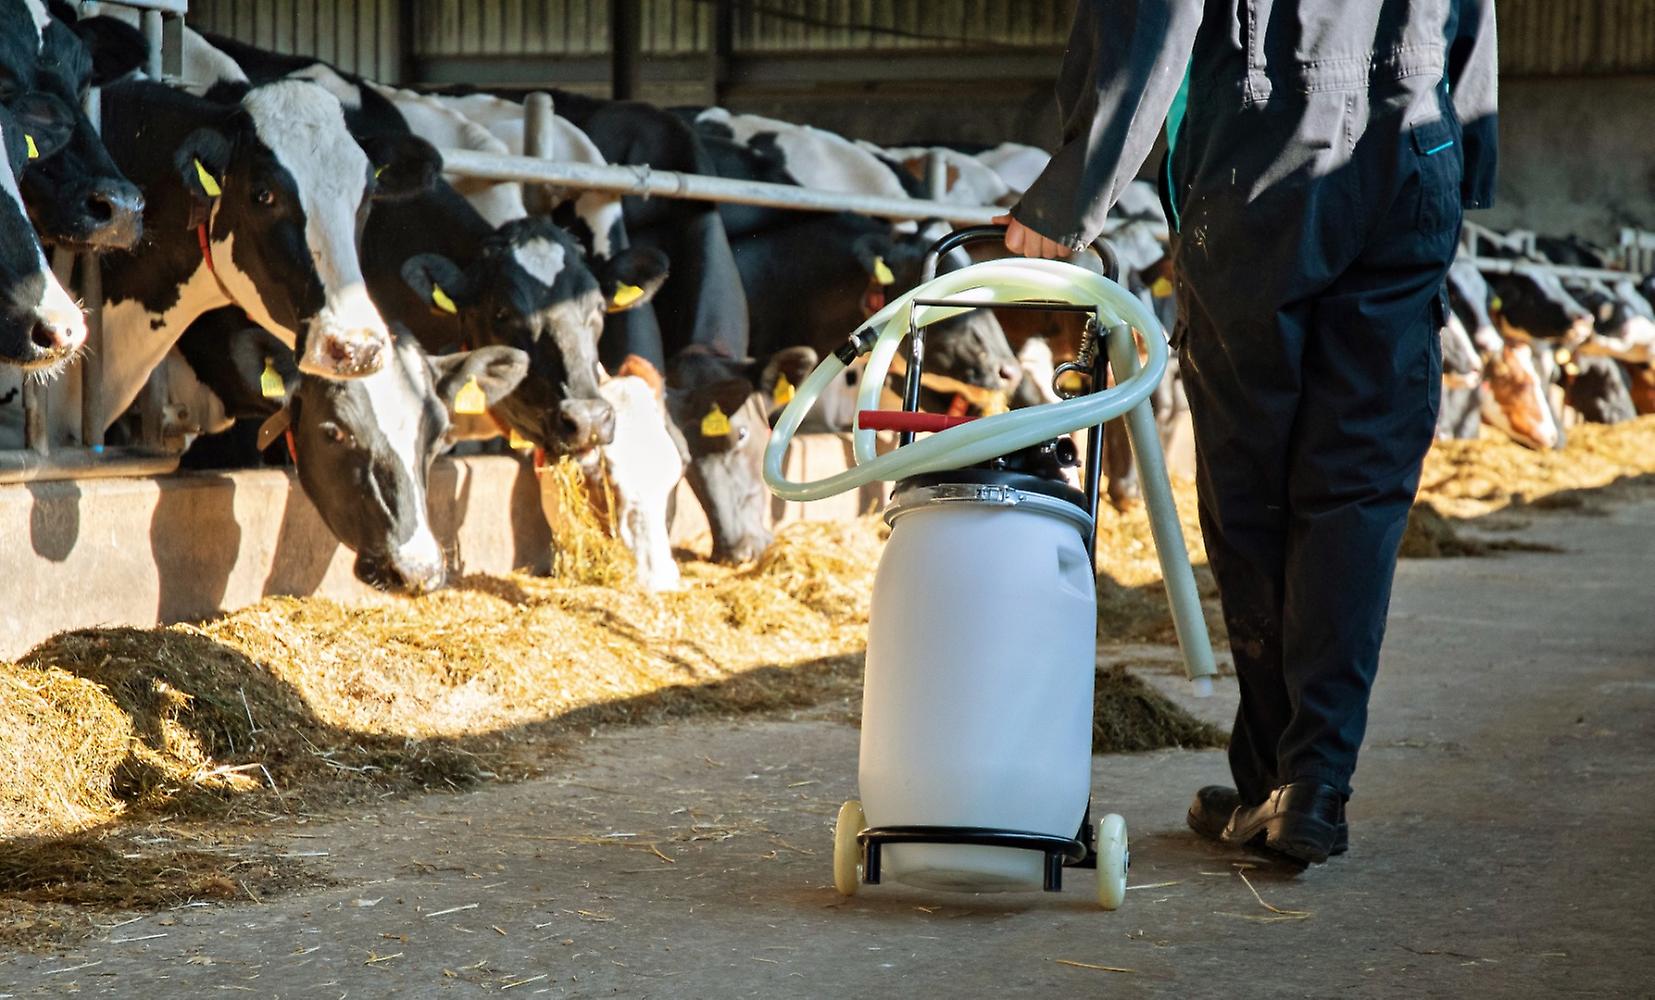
(532,289)
(1515,398)
(41,327)
(284,190)
(364,449)
(722,408)
(1532,303)
(967,357)
(79,199)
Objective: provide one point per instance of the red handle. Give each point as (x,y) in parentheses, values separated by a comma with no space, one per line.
(904,420)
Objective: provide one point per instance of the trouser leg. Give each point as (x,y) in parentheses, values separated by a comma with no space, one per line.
(1242,379)
(1372,371)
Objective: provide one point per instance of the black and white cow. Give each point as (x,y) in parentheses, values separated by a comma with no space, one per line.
(79,198)
(41,327)
(364,450)
(527,286)
(475,284)
(256,203)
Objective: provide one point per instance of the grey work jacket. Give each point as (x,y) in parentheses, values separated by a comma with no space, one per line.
(1126,60)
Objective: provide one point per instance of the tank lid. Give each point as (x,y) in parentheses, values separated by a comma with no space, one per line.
(989,488)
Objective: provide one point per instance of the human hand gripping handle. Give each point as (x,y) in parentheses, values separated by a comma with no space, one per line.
(1022,240)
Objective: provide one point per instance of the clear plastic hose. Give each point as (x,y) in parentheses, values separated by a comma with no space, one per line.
(1015,280)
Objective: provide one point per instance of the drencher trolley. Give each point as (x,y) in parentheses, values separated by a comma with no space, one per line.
(975,767)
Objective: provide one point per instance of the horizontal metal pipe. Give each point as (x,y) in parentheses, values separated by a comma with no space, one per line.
(79,463)
(645,182)
(179,7)
(1503,265)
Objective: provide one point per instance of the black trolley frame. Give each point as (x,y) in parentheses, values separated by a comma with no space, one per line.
(1060,852)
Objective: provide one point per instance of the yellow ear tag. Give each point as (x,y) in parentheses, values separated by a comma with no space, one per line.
(882,273)
(518,442)
(470,398)
(34,151)
(715,423)
(783,393)
(1161,288)
(209,183)
(270,381)
(995,403)
(1495,304)
(440,299)
(624,296)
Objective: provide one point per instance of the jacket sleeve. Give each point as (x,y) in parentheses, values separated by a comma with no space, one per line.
(1123,66)
(1473,68)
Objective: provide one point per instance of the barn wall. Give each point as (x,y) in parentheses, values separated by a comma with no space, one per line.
(361,36)
(1577,156)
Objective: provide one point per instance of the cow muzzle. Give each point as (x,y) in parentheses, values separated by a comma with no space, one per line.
(111,215)
(338,349)
(585,423)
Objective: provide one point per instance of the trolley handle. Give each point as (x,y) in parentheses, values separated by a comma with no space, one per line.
(1104,250)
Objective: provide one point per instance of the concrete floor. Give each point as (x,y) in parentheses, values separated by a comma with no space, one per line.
(1502,836)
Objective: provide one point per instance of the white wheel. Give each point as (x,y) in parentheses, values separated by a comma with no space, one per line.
(847,853)
(1113,861)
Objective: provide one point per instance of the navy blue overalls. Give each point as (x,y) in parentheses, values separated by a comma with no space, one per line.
(1316,184)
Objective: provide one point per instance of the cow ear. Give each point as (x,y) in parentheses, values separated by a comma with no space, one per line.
(631,277)
(784,373)
(117,48)
(405,166)
(438,282)
(201,160)
(874,252)
(46,123)
(494,370)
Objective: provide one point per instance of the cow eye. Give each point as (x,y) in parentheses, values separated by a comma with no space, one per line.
(742,434)
(335,433)
(264,196)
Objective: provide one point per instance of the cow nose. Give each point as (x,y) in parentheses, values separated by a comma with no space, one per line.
(56,333)
(336,353)
(114,213)
(586,423)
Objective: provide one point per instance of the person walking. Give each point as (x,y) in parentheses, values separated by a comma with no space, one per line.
(1320,155)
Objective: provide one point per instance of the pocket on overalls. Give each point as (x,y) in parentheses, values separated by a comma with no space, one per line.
(1437,153)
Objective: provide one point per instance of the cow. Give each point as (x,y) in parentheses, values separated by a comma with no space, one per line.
(435,264)
(364,450)
(78,199)
(593,217)
(526,287)
(1511,396)
(255,203)
(813,157)
(41,327)
(966,179)
(642,467)
(728,403)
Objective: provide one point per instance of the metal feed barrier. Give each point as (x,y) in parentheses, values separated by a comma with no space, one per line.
(163,25)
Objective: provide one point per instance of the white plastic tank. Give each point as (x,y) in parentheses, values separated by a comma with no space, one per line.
(977,708)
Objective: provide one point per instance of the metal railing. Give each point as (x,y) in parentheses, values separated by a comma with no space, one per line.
(40,458)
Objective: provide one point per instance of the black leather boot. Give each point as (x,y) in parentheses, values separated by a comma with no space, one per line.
(1211,811)
(1304,820)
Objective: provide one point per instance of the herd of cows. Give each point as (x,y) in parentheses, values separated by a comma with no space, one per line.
(279,240)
